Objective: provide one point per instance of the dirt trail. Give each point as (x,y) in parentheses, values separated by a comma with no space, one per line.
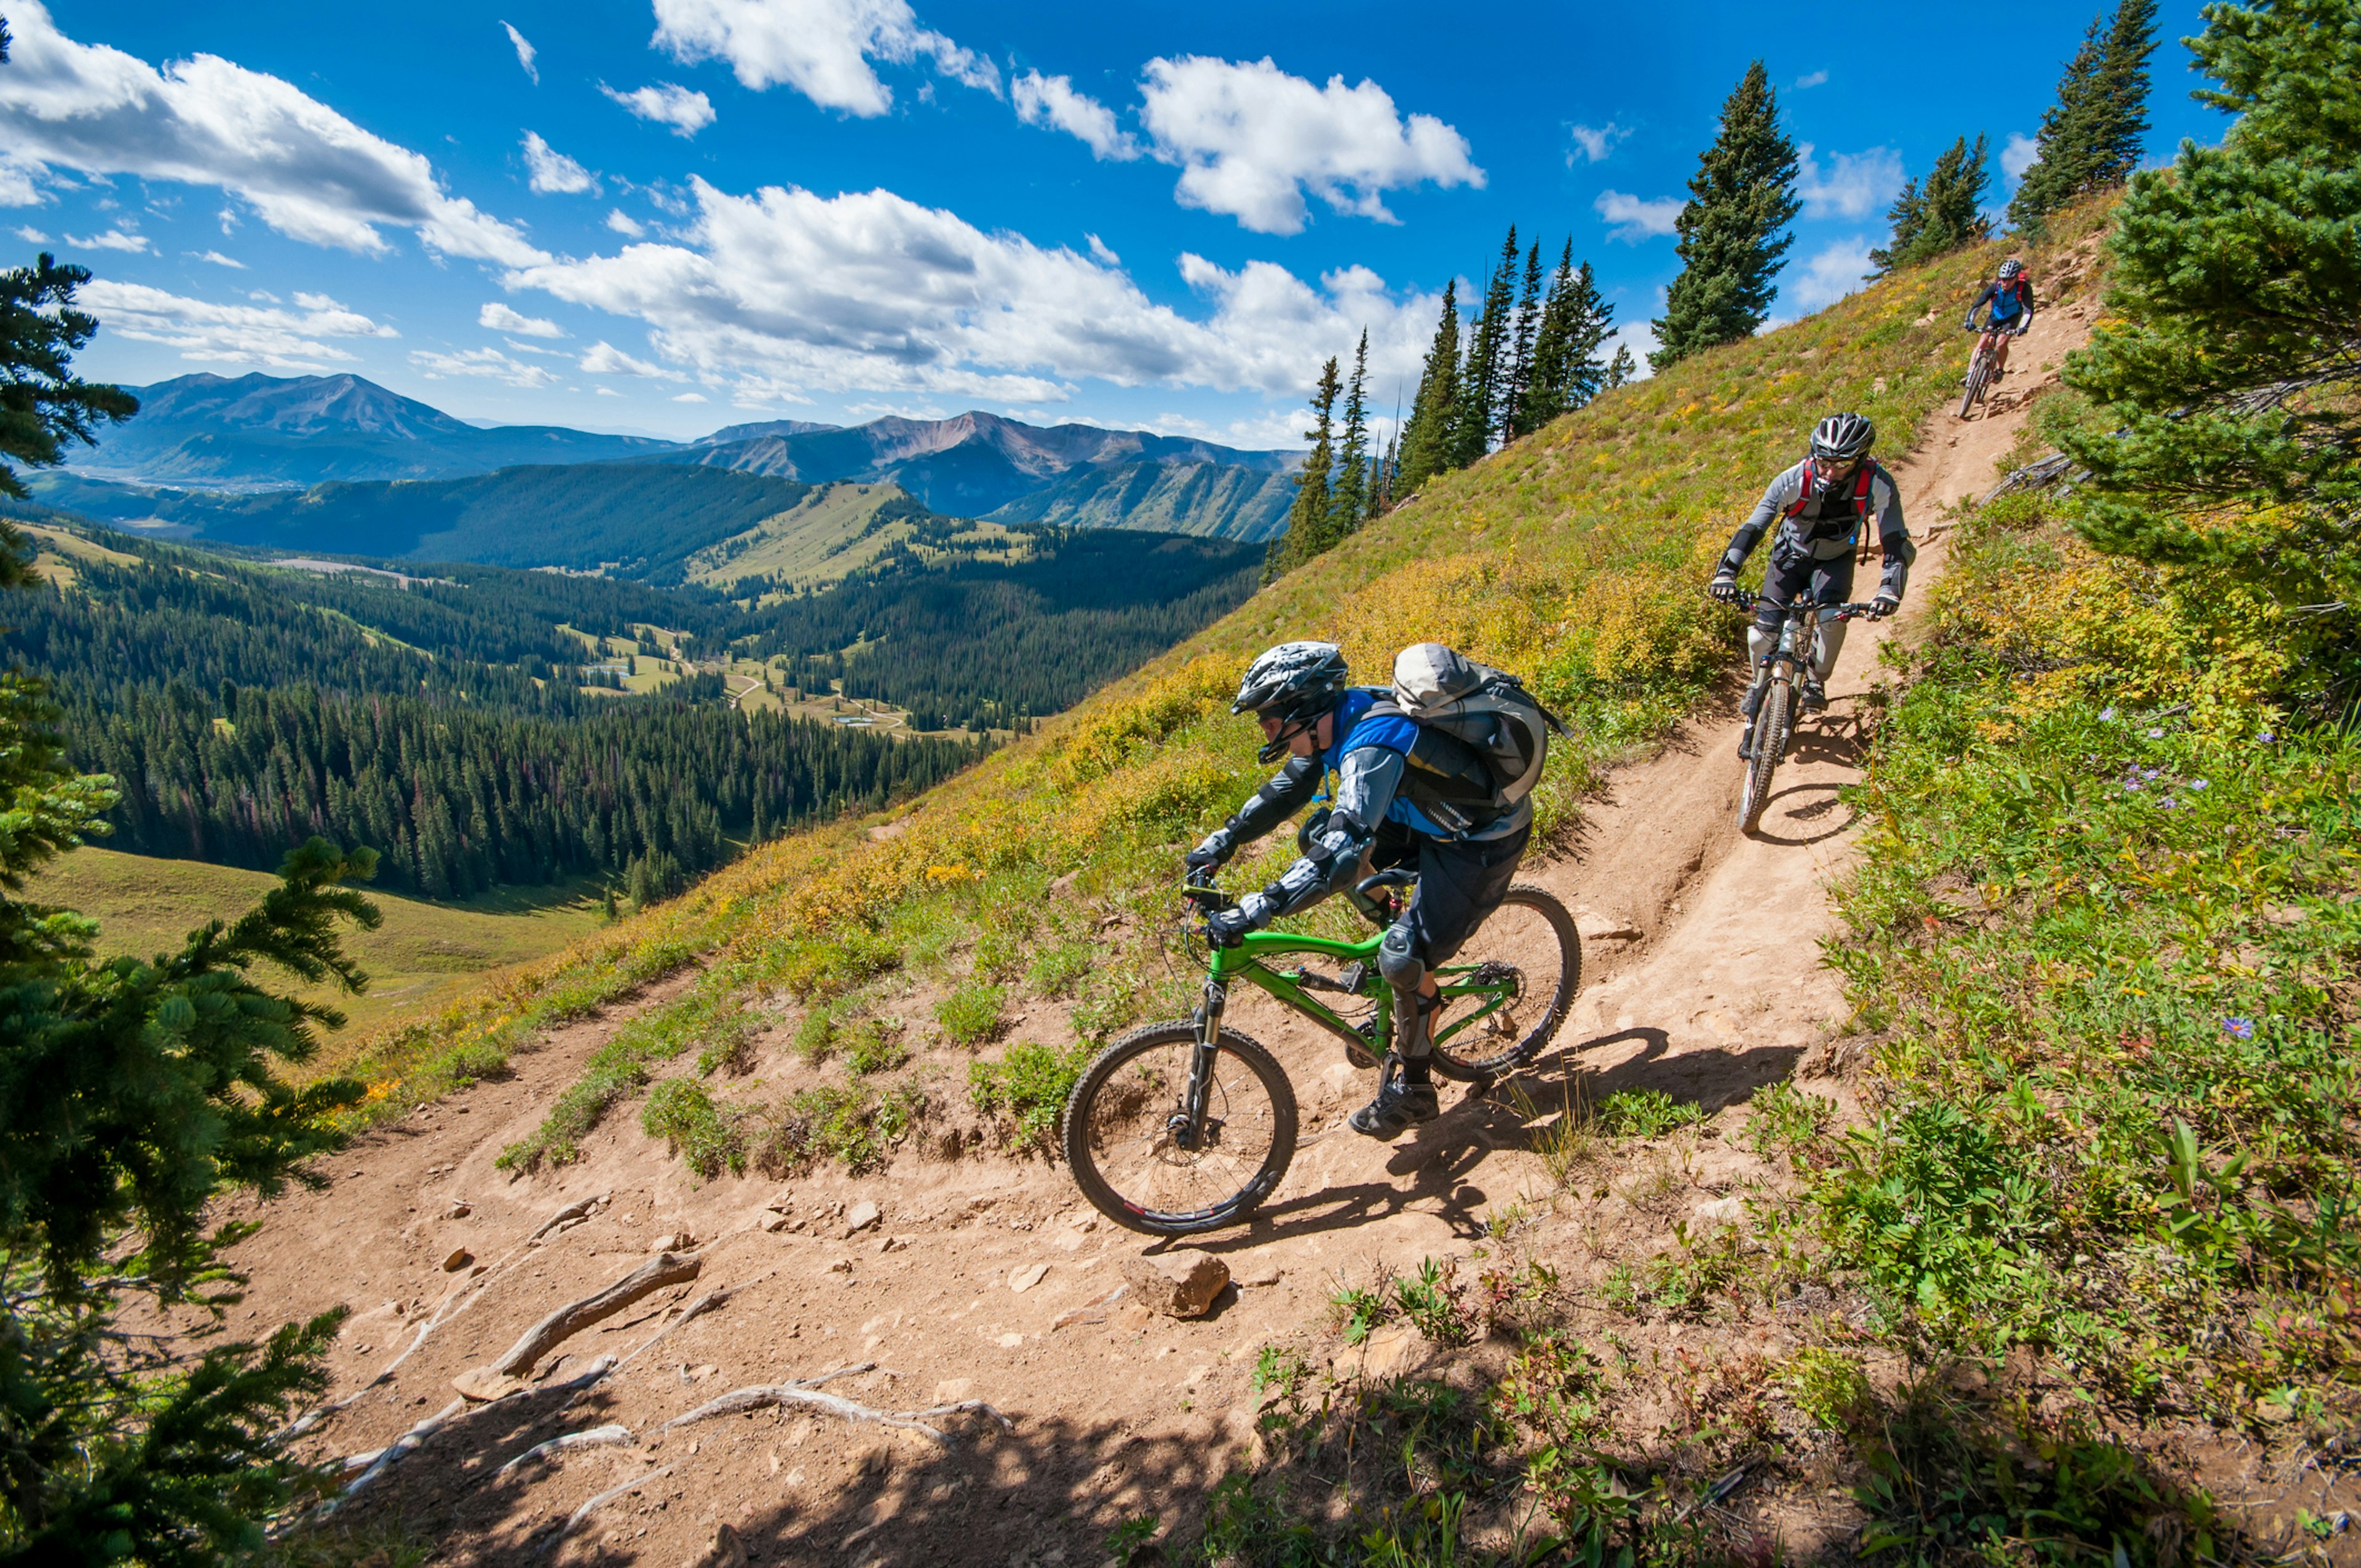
(1702,979)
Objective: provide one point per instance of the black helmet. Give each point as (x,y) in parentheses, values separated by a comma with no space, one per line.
(1840,438)
(1294,683)
(2010,269)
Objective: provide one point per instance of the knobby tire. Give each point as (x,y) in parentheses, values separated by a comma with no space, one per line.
(1450,1062)
(1770,740)
(1978,369)
(1101,1089)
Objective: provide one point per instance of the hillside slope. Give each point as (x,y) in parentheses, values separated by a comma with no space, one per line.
(1030,892)
(1220,500)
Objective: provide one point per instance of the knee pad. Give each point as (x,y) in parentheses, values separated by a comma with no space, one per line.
(1832,641)
(1397,959)
(1760,642)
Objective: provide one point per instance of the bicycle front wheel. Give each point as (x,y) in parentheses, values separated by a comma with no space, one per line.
(1509,987)
(1977,369)
(1770,740)
(1127,1131)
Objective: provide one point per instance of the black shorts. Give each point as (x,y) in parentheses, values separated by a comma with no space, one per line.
(1820,582)
(1459,884)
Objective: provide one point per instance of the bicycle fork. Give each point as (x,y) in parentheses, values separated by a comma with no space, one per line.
(1187,1121)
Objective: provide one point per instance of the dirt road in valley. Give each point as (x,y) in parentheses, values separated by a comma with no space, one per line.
(978,1278)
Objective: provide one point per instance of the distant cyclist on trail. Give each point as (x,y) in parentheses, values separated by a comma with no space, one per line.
(1407,794)
(1822,506)
(2010,299)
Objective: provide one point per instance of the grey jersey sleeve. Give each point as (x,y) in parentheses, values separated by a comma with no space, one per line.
(1365,782)
(1894,540)
(1781,494)
(1289,790)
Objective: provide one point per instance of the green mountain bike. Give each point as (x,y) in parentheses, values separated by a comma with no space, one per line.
(1187,1125)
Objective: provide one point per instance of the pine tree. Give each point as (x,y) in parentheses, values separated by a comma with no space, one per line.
(1350,501)
(1733,228)
(1435,413)
(1622,368)
(2093,136)
(1948,214)
(1308,521)
(1568,372)
(2119,131)
(2223,372)
(1485,379)
(1513,423)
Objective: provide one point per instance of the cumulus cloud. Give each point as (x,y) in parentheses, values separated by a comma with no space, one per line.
(551,172)
(2021,154)
(782,290)
(1594,143)
(1102,252)
(31,236)
(1854,185)
(623,223)
(524,53)
(236,335)
(685,111)
(688,398)
(605,359)
(120,237)
(308,171)
(218,259)
(819,48)
(1811,79)
(1052,102)
(1631,219)
(1829,275)
(489,363)
(501,318)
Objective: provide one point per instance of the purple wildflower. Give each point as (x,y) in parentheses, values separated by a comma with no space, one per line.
(2196,783)
(2106,715)
(2267,737)
(2155,734)
(2133,783)
(2238,1028)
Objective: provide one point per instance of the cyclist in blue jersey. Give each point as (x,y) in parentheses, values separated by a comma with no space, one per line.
(2009,298)
(1384,813)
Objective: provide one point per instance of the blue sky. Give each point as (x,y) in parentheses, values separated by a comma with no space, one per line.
(674,215)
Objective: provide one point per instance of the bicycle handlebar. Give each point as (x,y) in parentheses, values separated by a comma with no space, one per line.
(1844,611)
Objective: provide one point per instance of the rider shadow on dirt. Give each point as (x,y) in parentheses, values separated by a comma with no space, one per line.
(1048,1491)
(1710,1079)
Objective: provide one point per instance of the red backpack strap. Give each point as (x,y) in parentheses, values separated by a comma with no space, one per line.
(1803,491)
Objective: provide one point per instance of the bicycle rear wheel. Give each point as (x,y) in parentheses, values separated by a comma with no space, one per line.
(1123,1123)
(1770,740)
(1523,964)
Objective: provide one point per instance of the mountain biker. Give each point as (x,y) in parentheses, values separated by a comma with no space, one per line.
(1823,504)
(1384,815)
(2010,297)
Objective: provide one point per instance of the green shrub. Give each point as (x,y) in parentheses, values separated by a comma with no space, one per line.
(706,1137)
(873,1046)
(972,1014)
(1784,1117)
(1644,1113)
(815,1035)
(817,969)
(1027,1089)
(1057,969)
(858,1125)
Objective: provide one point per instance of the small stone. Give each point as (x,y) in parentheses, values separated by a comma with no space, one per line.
(887,1244)
(1179,1284)
(1257,1272)
(1010,1342)
(951,1390)
(859,1217)
(460,1209)
(1074,1315)
(1721,1212)
(782,1203)
(457,1261)
(774,1223)
(1133,1319)
(1391,1350)
(2273,1412)
(839,1266)
(1597,927)
(1025,1279)
(673,1241)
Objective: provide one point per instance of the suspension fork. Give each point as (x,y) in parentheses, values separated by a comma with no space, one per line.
(1200,1086)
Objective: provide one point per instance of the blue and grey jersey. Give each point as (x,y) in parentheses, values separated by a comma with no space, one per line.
(1368,759)
(1828,523)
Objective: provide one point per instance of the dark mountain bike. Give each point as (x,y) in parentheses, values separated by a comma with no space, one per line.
(1187,1125)
(1984,371)
(1775,681)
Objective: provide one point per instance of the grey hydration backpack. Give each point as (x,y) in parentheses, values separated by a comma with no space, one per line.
(1483,737)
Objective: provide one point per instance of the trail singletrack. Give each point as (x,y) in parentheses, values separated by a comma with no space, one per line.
(985,1278)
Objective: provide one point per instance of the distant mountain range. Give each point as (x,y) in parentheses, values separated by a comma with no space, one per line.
(256,433)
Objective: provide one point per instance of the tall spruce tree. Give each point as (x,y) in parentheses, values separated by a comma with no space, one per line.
(2093,136)
(1426,448)
(1484,382)
(1621,369)
(2225,370)
(1520,349)
(1568,372)
(1349,501)
(1308,520)
(1733,230)
(1945,215)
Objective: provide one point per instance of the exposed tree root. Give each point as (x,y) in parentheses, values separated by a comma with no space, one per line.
(614,1434)
(609,1495)
(805,1394)
(501,1377)
(393,1454)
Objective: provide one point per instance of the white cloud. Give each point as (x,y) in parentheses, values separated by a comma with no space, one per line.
(551,172)
(782,290)
(501,318)
(2021,153)
(310,172)
(1251,140)
(608,392)
(236,335)
(622,223)
(819,48)
(119,237)
(1833,272)
(524,53)
(489,363)
(1594,143)
(1811,79)
(688,398)
(1630,219)
(218,259)
(1102,253)
(605,359)
(1640,338)
(523,347)
(1854,185)
(685,111)
(31,236)
(1052,102)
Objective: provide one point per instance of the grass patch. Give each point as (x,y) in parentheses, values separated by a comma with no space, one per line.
(1025,1091)
(707,1138)
(1644,1113)
(973,1014)
(855,1126)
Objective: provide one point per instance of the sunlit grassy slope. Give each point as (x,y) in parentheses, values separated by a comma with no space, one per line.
(826,537)
(1576,557)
